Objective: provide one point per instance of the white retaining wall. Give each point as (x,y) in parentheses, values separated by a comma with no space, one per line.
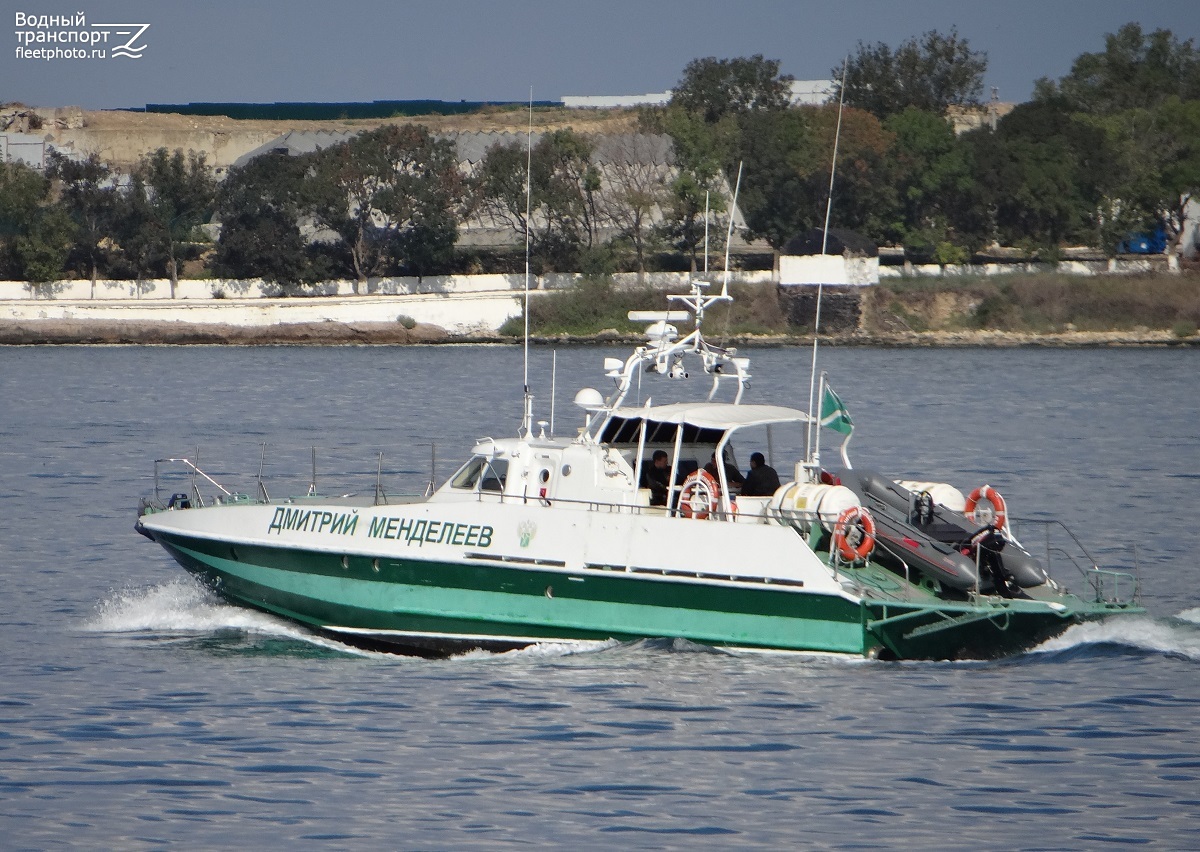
(461,304)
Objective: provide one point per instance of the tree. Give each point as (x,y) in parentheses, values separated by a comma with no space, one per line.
(712,88)
(1038,173)
(787,158)
(1137,70)
(779,194)
(35,233)
(563,214)
(171,196)
(931,173)
(930,73)
(699,152)
(260,206)
(382,190)
(636,189)
(89,195)
(1151,170)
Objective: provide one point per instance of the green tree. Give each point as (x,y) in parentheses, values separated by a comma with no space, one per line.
(1038,173)
(931,173)
(260,206)
(781,184)
(712,88)
(1152,168)
(89,194)
(35,232)
(562,202)
(388,192)
(929,73)
(699,152)
(1136,70)
(171,195)
(787,158)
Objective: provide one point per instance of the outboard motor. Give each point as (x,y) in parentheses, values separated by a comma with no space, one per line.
(924,508)
(988,543)
(179,501)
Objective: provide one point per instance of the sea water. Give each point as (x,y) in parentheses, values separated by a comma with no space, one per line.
(138,710)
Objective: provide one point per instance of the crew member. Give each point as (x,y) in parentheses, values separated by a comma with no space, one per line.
(656,476)
(762,481)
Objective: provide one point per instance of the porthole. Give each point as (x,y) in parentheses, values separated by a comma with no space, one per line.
(545,475)
(566,470)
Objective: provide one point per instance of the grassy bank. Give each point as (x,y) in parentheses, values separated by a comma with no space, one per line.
(1038,304)
(1045,304)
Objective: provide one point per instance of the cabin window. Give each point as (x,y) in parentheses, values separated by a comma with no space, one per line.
(481,473)
(494,475)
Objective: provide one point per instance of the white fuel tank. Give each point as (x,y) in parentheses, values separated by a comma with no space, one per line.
(942,493)
(798,501)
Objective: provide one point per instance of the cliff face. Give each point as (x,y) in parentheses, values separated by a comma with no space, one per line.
(120,137)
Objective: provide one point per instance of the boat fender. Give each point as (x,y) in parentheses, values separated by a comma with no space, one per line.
(854,534)
(985,506)
(698,495)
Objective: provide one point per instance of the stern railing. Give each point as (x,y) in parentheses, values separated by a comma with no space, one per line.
(1060,544)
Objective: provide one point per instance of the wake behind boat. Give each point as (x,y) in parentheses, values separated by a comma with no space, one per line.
(641,526)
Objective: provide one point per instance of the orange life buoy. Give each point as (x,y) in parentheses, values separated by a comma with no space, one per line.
(997,516)
(698,496)
(854,534)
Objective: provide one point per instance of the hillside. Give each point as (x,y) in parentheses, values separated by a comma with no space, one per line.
(120,137)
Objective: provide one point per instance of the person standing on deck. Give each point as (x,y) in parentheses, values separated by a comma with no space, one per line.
(762,481)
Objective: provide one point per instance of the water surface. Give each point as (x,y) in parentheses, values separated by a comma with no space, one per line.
(137,710)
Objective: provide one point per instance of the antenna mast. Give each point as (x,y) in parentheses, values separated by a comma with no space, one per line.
(527,414)
(811,456)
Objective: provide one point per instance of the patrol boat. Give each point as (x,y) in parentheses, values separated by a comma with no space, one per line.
(541,538)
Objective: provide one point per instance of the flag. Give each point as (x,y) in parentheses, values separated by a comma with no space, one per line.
(834,414)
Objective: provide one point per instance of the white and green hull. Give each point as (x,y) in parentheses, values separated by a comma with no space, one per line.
(438,578)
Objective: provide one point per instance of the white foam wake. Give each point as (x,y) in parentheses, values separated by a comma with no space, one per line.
(183,605)
(1164,636)
(543,650)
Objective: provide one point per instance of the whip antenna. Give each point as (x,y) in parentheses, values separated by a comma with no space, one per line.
(812,380)
(527,415)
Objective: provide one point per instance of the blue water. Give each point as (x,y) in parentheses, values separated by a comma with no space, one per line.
(138,711)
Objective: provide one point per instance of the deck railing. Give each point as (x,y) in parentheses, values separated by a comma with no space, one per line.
(1060,544)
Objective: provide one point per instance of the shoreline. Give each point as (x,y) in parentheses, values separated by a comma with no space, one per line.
(64,332)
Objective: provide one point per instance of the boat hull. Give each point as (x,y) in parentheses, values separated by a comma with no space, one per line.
(435,608)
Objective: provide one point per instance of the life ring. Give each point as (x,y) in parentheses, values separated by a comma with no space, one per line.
(698,496)
(997,516)
(854,534)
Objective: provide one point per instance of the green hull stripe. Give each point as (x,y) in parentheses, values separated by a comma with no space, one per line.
(495,600)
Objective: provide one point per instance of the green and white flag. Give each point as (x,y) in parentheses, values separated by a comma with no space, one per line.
(834,414)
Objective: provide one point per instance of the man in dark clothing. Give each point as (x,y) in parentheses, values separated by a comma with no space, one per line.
(656,476)
(762,480)
(733,476)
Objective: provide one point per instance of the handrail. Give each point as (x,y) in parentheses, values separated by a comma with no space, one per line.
(1106,583)
(194,471)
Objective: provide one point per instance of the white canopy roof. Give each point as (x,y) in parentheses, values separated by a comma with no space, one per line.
(714,415)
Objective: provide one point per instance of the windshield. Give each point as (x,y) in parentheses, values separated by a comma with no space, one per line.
(482,473)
